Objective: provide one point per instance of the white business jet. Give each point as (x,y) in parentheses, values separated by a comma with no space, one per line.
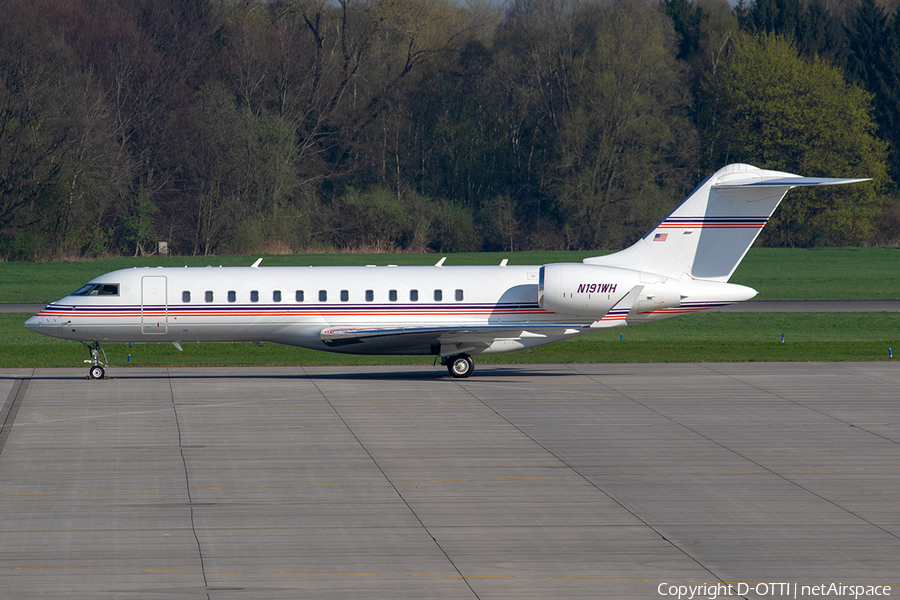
(451,312)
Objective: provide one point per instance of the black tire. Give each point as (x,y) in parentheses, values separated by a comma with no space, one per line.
(460,366)
(97,372)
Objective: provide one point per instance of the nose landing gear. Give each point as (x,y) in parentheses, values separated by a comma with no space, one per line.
(97,370)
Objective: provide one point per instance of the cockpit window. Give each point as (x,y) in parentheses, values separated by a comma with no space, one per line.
(97,289)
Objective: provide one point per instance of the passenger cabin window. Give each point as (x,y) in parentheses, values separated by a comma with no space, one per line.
(414,295)
(185,296)
(323,296)
(254,296)
(97,289)
(370,295)
(209,296)
(438,295)
(345,296)
(232,296)
(392,295)
(459,295)
(298,295)
(276,296)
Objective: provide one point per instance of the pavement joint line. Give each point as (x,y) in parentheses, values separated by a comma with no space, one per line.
(437,481)
(596,579)
(632,475)
(729,472)
(187,476)
(120,491)
(237,487)
(324,484)
(818,470)
(384,474)
(823,413)
(57,569)
(184,571)
(654,527)
(319,573)
(11,407)
(528,478)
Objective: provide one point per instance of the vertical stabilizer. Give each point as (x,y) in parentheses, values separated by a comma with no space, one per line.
(710,232)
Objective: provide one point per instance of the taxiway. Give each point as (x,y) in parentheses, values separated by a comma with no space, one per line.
(525,481)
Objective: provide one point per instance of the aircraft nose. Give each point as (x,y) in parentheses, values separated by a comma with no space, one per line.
(40,322)
(34,323)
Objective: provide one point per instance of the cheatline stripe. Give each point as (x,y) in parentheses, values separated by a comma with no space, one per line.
(343,310)
(713,223)
(287,307)
(293,310)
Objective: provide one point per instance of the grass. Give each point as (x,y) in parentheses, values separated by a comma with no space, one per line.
(822,273)
(702,337)
(778,274)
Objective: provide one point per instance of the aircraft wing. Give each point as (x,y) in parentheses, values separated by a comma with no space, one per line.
(443,341)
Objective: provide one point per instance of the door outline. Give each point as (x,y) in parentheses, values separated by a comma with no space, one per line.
(154,305)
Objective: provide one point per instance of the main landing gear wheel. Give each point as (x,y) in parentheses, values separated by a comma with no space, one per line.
(460,366)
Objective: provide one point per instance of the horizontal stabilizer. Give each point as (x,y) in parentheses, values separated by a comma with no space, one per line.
(786,182)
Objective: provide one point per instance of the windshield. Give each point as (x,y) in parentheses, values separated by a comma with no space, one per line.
(97,289)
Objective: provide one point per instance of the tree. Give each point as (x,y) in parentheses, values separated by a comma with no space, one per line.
(704,31)
(815,31)
(244,166)
(872,61)
(773,109)
(624,137)
(35,144)
(59,165)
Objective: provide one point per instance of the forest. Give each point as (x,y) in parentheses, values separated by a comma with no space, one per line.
(200,127)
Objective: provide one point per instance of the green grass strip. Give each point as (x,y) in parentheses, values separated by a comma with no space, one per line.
(703,337)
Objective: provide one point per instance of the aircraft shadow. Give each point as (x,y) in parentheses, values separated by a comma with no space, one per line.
(427,374)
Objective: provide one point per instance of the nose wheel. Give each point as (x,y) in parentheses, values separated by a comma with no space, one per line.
(460,366)
(97,370)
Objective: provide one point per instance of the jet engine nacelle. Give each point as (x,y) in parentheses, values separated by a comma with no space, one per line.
(583,290)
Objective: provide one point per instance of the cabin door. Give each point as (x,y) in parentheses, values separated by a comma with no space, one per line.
(154,308)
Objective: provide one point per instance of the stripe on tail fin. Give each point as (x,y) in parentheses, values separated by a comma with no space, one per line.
(710,232)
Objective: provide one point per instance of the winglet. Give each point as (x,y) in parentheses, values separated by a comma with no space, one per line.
(256,264)
(440,263)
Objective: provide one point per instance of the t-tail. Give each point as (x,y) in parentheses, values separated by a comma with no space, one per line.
(706,237)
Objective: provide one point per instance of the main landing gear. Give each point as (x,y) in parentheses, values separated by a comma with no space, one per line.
(97,370)
(459,366)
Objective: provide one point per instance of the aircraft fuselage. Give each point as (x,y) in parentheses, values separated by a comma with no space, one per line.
(321,307)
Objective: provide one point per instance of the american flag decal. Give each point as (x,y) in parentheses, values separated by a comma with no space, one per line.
(660,237)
